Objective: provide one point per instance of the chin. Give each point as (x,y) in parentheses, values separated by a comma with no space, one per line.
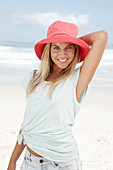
(61,67)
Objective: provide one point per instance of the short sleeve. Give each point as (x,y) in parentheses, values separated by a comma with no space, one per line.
(82,97)
(24,82)
(27,78)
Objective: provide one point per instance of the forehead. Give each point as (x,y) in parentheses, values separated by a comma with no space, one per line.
(62,43)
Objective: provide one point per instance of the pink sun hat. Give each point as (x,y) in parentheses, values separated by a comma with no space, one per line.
(62,32)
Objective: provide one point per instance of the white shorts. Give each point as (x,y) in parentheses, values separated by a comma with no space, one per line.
(32,162)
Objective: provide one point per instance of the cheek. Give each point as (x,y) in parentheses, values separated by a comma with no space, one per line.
(71,54)
(53,55)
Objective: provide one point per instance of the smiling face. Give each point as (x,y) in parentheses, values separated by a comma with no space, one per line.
(62,54)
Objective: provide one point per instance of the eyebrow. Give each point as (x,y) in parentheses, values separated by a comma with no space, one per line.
(55,45)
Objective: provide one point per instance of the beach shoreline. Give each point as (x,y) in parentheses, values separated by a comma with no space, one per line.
(93,126)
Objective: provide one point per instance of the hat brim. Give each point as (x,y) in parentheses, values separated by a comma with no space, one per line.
(83,47)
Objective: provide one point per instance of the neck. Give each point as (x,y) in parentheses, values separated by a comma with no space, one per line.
(56,70)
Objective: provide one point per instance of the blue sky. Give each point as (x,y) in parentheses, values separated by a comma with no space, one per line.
(28,20)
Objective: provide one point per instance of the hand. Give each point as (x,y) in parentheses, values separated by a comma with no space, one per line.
(11,166)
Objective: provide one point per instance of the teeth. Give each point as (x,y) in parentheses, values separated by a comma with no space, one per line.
(62,60)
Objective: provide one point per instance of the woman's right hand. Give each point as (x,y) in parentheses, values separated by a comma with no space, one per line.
(15,155)
(11,166)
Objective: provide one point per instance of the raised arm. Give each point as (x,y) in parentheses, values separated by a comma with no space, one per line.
(15,155)
(97,41)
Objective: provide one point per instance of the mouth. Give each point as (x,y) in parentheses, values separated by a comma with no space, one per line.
(62,60)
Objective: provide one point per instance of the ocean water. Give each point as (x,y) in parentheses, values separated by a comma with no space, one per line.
(16,61)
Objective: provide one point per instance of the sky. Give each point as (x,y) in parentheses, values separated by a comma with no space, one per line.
(28,20)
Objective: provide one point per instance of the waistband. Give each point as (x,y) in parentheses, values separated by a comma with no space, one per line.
(43,159)
(39,160)
(35,158)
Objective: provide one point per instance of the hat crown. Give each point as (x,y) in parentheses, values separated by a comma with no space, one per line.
(62,28)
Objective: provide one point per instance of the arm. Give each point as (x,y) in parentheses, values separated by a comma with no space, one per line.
(15,155)
(97,41)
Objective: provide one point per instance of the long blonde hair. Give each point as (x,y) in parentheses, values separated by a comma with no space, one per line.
(46,67)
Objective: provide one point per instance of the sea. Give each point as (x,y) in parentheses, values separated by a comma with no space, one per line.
(17,59)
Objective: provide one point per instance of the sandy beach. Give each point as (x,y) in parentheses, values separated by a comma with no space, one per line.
(93,127)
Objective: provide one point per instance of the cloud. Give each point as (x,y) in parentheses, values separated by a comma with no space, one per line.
(45,19)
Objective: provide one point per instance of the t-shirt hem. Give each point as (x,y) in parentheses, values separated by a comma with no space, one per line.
(56,160)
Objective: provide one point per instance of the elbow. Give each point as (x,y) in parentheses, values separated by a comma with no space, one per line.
(104,35)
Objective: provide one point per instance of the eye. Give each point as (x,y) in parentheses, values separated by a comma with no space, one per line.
(55,47)
(69,47)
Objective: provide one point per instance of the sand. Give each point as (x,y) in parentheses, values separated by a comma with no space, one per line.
(93,127)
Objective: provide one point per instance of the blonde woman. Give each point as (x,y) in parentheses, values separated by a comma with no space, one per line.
(54,94)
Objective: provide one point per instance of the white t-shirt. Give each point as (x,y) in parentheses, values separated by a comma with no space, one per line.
(47,124)
(43,88)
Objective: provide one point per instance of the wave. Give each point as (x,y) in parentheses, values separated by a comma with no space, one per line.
(15,62)
(18,55)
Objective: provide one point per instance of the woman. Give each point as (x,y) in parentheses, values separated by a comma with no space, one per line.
(55,93)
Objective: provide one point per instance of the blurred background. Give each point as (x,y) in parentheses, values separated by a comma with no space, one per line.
(25,22)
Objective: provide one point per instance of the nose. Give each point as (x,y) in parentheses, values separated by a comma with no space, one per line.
(62,53)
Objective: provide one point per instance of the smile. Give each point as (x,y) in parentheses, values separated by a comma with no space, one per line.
(62,60)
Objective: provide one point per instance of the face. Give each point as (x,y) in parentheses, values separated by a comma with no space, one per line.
(62,54)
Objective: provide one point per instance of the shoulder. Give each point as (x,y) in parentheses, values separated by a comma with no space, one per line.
(75,75)
(78,65)
(77,69)
(28,77)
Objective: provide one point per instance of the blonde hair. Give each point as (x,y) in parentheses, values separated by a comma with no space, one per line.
(46,67)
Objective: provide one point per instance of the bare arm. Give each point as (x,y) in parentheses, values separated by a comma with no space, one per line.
(97,41)
(15,155)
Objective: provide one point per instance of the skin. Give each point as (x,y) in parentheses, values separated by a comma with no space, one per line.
(61,51)
(15,155)
(97,41)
